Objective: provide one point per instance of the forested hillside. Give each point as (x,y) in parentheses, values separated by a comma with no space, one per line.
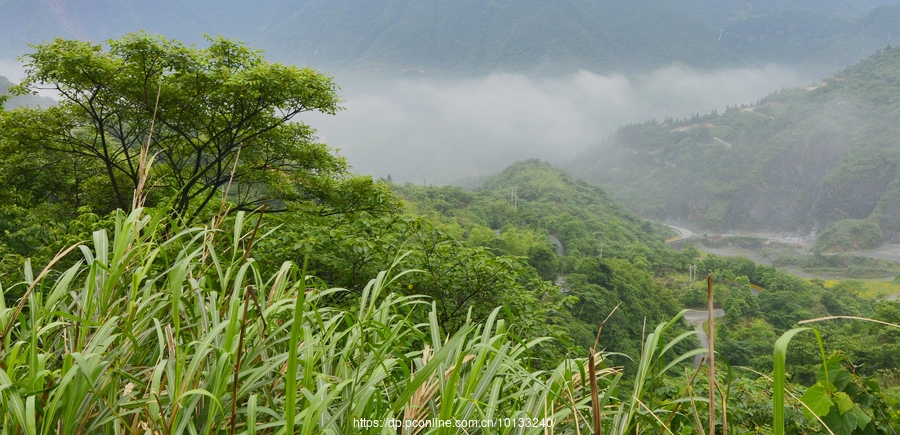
(820,159)
(605,254)
(812,38)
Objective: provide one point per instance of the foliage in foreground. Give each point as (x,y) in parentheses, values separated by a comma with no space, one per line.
(182,335)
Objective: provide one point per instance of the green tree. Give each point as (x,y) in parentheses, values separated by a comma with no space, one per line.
(211,117)
(544,260)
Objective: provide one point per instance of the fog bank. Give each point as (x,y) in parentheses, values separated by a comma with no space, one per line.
(438,131)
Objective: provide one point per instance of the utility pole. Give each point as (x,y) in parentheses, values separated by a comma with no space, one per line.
(514,197)
(693,271)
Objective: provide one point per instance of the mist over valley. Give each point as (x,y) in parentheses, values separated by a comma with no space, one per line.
(439,131)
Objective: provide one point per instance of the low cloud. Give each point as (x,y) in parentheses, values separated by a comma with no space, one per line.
(12,70)
(438,131)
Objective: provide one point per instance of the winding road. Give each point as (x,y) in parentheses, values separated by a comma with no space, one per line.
(696,318)
(560,249)
(683,233)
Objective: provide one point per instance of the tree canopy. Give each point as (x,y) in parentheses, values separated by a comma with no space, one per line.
(211,118)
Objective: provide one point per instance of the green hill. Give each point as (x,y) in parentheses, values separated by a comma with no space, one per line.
(821,159)
(611,255)
(490,36)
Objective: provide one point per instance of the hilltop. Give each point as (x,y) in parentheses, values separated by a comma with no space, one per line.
(812,38)
(569,231)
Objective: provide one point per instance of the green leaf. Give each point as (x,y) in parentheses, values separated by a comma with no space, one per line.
(840,424)
(833,364)
(779,354)
(840,380)
(843,402)
(816,398)
(848,423)
(862,419)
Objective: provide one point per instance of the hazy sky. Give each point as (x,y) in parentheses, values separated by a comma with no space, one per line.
(438,131)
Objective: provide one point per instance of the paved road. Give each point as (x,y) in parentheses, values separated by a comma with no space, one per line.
(560,249)
(683,233)
(696,318)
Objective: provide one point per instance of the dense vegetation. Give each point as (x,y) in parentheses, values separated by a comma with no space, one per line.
(211,305)
(821,159)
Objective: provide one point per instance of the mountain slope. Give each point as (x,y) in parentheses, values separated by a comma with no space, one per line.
(811,38)
(804,160)
(609,255)
(476,37)
(494,36)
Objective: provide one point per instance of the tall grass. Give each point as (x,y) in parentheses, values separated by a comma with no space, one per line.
(183,334)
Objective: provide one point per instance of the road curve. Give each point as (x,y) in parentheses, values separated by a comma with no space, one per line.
(683,233)
(560,248)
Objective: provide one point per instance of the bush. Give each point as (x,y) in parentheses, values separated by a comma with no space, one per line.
(849,235)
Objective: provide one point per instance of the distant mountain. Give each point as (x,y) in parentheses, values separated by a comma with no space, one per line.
(478,37)
(465,36)
(817,160)
(501,35)
(24,22)
(810,38)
